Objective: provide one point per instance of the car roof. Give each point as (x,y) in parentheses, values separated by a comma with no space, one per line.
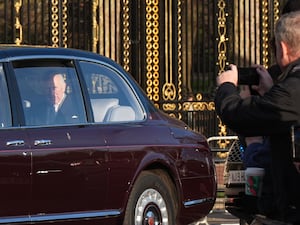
(13,52)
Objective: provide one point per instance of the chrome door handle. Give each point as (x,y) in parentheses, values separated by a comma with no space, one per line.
(15,143)
(42,142)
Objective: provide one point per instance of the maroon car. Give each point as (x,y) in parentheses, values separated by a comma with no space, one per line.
(80,142)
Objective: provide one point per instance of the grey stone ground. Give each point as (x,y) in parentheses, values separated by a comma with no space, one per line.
(218,217)
(221,217)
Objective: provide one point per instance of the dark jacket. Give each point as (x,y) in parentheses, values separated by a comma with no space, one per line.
(68,113)
(271,115)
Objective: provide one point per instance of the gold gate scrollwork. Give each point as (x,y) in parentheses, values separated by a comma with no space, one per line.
(265,33)
(55,10)
(198,105)
(222,60)
(276,11)
(18,25)
(179,54)
(95,26)
(152,50)
(169,90)
(55,23)
(126,35)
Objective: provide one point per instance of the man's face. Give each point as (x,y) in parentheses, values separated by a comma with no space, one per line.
(58,88)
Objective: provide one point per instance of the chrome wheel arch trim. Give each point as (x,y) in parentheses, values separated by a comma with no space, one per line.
(198,201)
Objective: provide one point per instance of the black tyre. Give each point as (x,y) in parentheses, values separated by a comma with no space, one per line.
(152,200)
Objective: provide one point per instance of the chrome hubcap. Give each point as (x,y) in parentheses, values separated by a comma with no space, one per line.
(151,209)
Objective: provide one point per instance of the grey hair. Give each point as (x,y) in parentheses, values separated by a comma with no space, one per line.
(287,30)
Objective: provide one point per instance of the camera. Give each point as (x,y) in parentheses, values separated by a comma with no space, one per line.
(248,76)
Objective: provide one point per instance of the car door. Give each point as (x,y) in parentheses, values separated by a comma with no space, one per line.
(116,107)
(69,173)
(15,158)
(15,168)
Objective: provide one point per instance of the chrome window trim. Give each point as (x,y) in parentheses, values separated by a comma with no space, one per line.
(101,61)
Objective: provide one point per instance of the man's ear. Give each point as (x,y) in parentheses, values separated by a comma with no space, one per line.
(286,56)
(285,49)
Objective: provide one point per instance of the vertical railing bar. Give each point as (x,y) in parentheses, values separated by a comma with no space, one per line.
(84,15)
(50,20)
(209,40)
(192,35)
(88,24)
(71,23)
(205,39)
(115,25)
(61,28)
(242,22)
(103,28)
(185,38)
(109,29)
(43,18)
(28,30)
(79,26)
(233,36)
(190,46)
(167,38)
(239,32)
(78,23)
(201,38)
(36,22)
(13,21)
(249,23)
(231,30)
(238,35)
(6,19)
(195,53)
(4,12)
(254,31)
(216,38)
(87,21)
(245,50)
(261,28)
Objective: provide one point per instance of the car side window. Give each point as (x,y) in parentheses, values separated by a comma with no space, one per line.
(50,93)
(111,97)
(5,110)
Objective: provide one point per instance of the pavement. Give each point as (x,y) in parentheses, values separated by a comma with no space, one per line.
(218,217)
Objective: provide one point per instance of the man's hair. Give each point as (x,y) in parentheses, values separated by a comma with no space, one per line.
(287,29)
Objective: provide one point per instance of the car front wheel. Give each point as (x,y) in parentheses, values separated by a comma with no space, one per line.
(152,200)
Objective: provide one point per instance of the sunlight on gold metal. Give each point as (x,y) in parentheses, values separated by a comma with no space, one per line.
(169,91)
(222,59)
(265,33)
(95,26)
(55,23)
(126,33)
(18,25)
(222,36)
(152,49)
(64,23)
